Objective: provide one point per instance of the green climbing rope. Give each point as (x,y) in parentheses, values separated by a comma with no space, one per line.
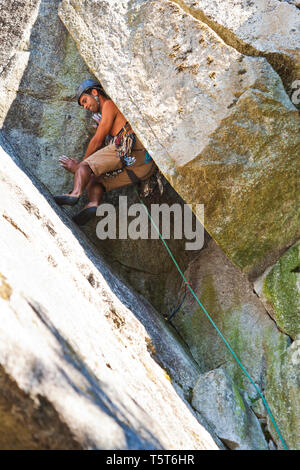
(217,329)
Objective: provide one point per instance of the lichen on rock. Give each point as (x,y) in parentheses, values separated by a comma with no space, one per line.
(282,393)
(265,352)
(281,289)
(227,411)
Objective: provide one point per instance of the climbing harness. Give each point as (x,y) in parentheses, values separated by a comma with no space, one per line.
(188,286)
(124,142)
(148,186)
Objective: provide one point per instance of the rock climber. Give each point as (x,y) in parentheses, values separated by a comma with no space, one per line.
(122,160)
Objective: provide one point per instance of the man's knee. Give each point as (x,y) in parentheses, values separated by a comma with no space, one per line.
(93,179)
(84,166)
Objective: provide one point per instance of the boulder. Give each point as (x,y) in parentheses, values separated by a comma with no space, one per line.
(282,394)
(279,290)
(218,399)
(268,28)
(218,123)
(228,298)
(74,337)
(267,354)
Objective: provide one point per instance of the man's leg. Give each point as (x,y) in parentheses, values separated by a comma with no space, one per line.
(94,191)
(81,179)
(100,162)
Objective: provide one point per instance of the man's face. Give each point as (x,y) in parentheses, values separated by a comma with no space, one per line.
(89,102)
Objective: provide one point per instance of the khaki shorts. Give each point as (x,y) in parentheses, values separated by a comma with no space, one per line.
(107,159)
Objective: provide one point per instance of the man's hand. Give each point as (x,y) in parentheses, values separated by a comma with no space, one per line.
(97,118)
(69,164)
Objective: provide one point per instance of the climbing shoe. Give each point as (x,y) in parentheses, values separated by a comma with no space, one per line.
(85,215)
(66,200)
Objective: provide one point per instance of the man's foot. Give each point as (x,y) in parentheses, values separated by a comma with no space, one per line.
(85,215)
(66,200)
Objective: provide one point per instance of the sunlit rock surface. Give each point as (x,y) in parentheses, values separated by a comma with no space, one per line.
(220,401)
(71,333)
(219,123)
(270,28)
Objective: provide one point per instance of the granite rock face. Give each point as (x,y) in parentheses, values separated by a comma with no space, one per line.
(279,290)
(41,69)
(17,19)
(28,424)
(229,299)
(267,354)
(73,335)
(42,121)
(218,123)
(268,28)
(222,404)
(209,95)
(283,378)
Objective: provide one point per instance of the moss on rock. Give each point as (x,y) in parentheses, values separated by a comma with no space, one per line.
(282,392)
(282,290)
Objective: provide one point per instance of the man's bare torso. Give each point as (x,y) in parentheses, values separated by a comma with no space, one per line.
(118,123)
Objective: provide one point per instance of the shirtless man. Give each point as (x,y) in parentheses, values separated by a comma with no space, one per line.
(104,169)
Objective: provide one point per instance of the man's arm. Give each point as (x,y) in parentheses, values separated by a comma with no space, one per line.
(109,111)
